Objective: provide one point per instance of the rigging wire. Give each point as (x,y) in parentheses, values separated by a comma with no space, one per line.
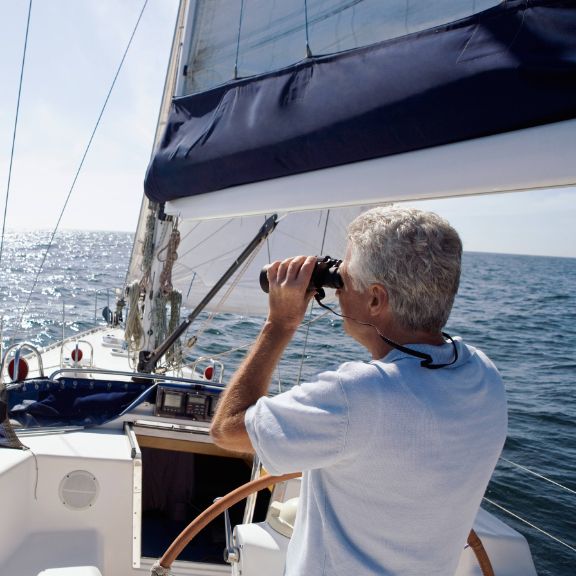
(15,129)
(250,342)
(87,149)
(517,517)
(205,239)
(538,475)
(509,512)
(226,294)
(277,369)
(303,355)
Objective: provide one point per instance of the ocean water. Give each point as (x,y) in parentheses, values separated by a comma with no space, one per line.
(521,310)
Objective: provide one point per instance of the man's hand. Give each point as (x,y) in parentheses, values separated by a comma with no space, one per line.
(289,298)
(289,295)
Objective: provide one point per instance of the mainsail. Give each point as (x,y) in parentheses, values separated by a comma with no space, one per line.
(315,108)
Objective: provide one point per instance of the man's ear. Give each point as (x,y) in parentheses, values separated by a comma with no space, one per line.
(378,301)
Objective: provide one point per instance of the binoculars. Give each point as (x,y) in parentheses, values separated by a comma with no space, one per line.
(325,275)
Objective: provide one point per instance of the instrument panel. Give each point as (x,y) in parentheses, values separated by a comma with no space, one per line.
(191,404)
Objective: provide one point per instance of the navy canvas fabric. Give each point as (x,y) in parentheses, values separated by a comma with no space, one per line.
(504,69)
(67,402)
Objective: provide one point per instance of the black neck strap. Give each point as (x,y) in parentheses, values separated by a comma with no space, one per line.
(427,360)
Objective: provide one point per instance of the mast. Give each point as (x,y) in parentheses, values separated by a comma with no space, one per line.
(162,224)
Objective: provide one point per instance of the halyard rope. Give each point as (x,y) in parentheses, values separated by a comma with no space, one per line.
(303,355)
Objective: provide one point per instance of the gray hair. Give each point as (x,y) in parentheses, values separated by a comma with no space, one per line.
(415,255)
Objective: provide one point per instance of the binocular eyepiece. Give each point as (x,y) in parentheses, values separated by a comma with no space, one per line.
(325,275)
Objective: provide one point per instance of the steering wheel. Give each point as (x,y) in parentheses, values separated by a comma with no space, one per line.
(162,566)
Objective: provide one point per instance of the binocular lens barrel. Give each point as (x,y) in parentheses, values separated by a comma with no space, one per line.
(325,275)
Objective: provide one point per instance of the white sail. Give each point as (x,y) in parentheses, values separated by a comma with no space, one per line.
(310,233)
(255,129)
(207,248)
(257,36)
(500,163)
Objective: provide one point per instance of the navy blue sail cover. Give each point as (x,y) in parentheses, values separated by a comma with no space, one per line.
(42,403)
(507,68)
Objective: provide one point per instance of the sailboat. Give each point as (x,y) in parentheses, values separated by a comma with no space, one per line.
(278,125)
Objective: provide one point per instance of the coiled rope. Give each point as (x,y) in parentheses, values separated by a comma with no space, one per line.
(134,332)
(171,256)
(159,322)
(148,250)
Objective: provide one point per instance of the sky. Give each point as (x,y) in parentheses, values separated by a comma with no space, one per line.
(74,48)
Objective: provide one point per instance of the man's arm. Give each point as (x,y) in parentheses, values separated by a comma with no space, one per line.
(288,301)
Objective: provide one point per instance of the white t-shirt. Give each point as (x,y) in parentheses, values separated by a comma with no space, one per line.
(395,457)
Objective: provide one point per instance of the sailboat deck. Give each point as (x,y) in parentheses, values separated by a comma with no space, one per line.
(97,341)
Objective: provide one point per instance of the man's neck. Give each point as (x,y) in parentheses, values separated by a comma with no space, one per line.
(379,348)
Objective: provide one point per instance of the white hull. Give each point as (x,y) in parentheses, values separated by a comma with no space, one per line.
(76,497)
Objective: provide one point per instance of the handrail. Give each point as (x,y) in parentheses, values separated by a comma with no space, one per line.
(139,375)
(19,347)
(76,343)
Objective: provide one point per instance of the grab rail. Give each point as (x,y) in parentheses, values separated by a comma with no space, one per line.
(134,375)
(18,349)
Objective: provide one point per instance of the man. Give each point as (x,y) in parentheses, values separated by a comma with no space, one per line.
(396,452)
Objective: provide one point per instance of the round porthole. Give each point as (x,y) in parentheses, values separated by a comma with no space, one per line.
(79,490)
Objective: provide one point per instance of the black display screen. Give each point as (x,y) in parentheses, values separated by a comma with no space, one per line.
(173,400)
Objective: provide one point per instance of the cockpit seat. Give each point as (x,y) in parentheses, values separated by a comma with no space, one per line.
(72,571)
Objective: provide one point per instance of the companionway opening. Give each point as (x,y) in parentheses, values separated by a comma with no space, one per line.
(179,485)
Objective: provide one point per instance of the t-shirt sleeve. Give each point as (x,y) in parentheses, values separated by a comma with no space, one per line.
(301,429)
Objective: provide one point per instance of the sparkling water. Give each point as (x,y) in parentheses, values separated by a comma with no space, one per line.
(520,310)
